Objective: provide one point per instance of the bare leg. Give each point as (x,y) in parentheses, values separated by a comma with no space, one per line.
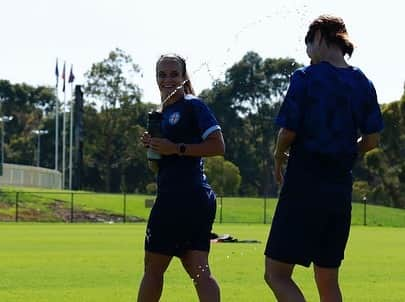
(278,277)
(327,282)
(151,286)
(196,265)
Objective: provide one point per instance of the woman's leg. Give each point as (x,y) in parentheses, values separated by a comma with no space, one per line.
(327,282)
(278,277)
(196,265)
(151,286)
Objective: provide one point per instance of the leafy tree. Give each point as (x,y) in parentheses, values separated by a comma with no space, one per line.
(31,108)
(109,82)
(361,190)
(223,175)
(246,104)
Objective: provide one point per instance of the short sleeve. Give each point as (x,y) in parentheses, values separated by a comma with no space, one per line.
(291,110)
(206,121)
(372,120)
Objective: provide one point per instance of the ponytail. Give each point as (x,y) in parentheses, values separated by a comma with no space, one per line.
(188,87)
(333,30)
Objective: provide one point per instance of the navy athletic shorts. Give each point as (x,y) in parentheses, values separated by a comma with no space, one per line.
(181,221)
(311,223)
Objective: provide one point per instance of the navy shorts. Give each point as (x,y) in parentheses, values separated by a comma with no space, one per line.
(181,221)
(311,224)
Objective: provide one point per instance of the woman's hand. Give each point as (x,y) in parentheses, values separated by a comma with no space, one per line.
(162,146)
(279,160)
(145,139)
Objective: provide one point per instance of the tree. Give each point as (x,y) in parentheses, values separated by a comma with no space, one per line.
(31,108)
(246,104)
(109,82)
(223,175)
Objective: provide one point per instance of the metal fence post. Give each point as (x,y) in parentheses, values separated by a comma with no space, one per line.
(71,207)
(365,210)
(125,208)
(16,206)
(220,209)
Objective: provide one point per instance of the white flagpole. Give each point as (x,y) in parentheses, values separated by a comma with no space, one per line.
(64,131)
(57,130)
(71,137)
(64,141)
(57,120)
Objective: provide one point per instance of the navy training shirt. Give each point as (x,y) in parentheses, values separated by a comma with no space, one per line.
(187,121)
(327,107)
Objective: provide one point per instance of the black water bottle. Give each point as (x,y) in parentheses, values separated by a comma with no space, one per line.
(154,129)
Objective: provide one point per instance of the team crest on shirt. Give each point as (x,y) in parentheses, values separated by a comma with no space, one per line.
(174,118)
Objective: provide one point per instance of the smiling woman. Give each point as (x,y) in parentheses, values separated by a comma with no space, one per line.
(181,219)
(172,78)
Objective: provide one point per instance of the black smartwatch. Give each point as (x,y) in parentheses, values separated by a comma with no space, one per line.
(182,149)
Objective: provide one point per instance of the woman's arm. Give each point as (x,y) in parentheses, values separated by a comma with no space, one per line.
(211,146)
(284,140)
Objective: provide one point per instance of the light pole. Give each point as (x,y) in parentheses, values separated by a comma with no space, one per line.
(3,119)
(2,100)
(39,133)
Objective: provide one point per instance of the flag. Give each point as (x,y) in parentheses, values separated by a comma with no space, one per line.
(57,73)
(63,76)
(71,75)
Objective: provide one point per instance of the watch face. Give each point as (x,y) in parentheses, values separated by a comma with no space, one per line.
(182,148)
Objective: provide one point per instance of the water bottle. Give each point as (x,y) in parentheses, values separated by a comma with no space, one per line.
(154,124)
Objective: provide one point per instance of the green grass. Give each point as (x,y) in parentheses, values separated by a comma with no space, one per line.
(38,207)
(104,263)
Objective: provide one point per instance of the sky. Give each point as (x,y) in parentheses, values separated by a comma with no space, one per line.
(211,34)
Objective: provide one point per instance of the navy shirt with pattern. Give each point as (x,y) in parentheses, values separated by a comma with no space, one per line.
(188,121)
(327,107)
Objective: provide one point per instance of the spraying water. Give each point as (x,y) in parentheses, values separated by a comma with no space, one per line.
(171,94)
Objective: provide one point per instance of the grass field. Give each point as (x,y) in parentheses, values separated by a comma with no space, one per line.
(104,262)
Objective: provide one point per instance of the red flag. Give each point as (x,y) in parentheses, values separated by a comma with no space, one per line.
(57,73)
(71,75)
(63,76)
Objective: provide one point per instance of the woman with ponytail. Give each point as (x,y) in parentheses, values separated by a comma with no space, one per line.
(327,104)
(181,219)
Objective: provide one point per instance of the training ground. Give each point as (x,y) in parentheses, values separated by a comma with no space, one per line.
(104,262)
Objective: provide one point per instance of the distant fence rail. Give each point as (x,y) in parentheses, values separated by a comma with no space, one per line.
(72,206)
(65,206)
(30,176)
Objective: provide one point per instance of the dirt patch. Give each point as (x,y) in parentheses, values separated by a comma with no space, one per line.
(6,217)
(63,213)
(5,204)
(59,211)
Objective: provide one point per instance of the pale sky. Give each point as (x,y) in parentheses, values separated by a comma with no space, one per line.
(210,34)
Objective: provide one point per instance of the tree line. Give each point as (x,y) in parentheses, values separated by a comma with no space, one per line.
(245,102)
